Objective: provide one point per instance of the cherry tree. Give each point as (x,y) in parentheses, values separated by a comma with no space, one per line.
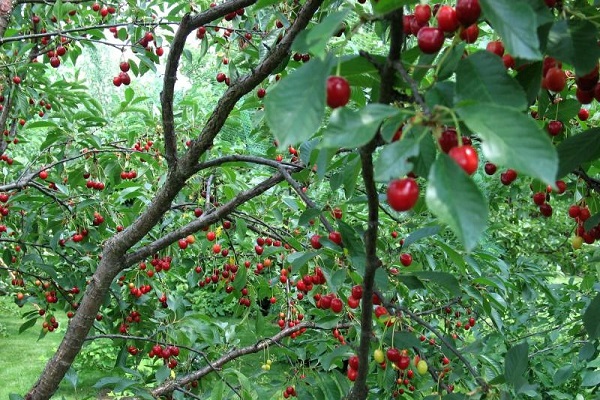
(421,141)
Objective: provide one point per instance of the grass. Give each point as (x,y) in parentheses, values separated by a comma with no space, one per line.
(23,357)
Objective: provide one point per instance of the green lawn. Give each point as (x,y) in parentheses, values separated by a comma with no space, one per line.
(23,357)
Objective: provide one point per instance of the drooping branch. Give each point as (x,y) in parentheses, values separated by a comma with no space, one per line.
(485,387)
(169,386)
(311,204)
(187,26)
(205,220)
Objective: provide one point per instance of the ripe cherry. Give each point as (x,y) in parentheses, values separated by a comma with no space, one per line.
(335,237)
(448,140)
(555,79)
(495,47)
(260,93)
(430,39)
(357,291)
(43,174)
(546,210)
(470,33)
(447,19)
(583,114)
(314,242)
(406,259)
(467,11)
(554,128)
(422,13)
(465,157)
(539,198)
(508,176)
(338,91)
(337,305)
(490,168)
(402,194)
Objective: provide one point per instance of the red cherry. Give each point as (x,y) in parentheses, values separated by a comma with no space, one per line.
(338,91)
(210,236)
(117,81)
(555,79)
(357,291)
(448,140)
(447,19)
(353,362)
(335,237)
(352,374)
(539,198)
(508,177)
(422,13)
(583,114)
(465,157)
(314,241)
(490,168)
(546,210)
(495,47)
(584,96)
(406,259)
(124,66)
(574,211)
(183,244)
(554,128)
(43,174)
(337,305)
(562,187)
(221,77)
(467,11)
(393,354)
(55,62)
(402,194)
(16,80)
(430,39)
(509,61)
(470,34)
(260,93)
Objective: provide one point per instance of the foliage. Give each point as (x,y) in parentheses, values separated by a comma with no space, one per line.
(213,211)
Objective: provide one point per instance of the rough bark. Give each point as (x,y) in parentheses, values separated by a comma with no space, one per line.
(360,390)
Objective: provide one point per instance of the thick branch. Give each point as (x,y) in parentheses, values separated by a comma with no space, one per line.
(359,390)
(169,386)
(205,220)
(246,84)
(187,26)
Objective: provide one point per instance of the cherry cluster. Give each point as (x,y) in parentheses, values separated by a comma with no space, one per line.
(128,174)
(104,11)
(167,353)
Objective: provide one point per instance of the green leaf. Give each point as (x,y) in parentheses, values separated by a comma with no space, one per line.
(393,161)
(577,150)
(314,41)
(562,374)
(575,42)
(482,77)
(354,128)
(386,6)
(515,363)
(265,3)
(443,279)
(591,318)
(530,79)
(14,396)
(516,22)
(419,234)
(512,139)
(293,113)
(27,324)
(456,200)
(591,378)
(450,60)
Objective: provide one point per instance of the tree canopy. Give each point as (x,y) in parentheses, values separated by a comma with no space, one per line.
(384,198)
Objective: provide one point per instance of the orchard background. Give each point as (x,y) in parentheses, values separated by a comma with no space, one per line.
(314,199)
